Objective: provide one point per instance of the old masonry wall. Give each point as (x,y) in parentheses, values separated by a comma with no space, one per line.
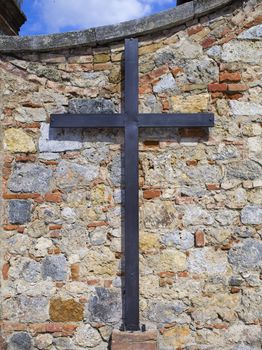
(200,190)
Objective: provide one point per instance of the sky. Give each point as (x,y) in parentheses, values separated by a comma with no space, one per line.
(58,16)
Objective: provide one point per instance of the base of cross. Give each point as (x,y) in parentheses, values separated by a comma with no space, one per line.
(134,340)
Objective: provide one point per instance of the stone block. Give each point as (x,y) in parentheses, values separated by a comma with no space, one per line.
(190,104)
(17,140)
(66,310)
(247,255)
(134,340)
(252,215)
(105,306)
(55,267)
(86,336)
(30,178)
(20,341)
(19,211)
(98,105)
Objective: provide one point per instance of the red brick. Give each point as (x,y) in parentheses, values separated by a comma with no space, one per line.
(184,200)
(237,87)
(194,30)
(10,227)
(208,42)
(151,143)
(97,224)
(150,194)
(21,195)
(134,340)
(235,290)
(5,271)
(75,272)
(213,186)
(25,158)
(176,70)
(55,227)
(217,87)
(229,76)
(192,162)
(199,238)
(55,197)
(192,132)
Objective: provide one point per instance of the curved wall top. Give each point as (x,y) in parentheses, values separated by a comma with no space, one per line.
(100,35)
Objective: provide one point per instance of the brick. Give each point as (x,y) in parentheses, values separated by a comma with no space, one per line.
(237,87)
(192,162)
(229,76)
(194,30)
(55,227)
(217,87)
(21,195)
(97,224)
(150,194)
(10,227)
(55,197)
(5,271)
(75,272)
(199,239)
(208,42)
(134,340)
(213,186)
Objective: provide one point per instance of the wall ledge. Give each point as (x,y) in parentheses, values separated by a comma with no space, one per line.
(112,33)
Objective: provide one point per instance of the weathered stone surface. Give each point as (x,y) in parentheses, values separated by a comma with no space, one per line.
(59,140)
(253,33)
(29,115)
(55,267)
(115,170)
(165,312)
(168,260)
(244,170)
(19,211)
(251,305)
(226,217)
(30,178)
(206,260)
(26,308)
(20,341)
(195,215)
(98,105)
(69,175)
(242,51)
(203,71)
(166,83)
(105,306)
(17,140)
(87,336)
(247,255)
(66,310)
(205,173)
(252,215)
(31,271)
(158,215)
(180,239)
(95,155)
(43,341)
(100,262)
(190,104)
(176,337)
(245,108)
(148,242)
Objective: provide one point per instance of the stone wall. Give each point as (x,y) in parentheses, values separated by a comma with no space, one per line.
(200,191)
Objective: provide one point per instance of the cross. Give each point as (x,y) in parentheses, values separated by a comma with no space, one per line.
(131,120)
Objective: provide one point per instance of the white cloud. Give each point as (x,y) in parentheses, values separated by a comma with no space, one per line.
(80,14)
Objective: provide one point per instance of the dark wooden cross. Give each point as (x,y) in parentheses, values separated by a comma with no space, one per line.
(131,121)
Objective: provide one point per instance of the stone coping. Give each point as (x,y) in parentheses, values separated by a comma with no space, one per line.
(112,33)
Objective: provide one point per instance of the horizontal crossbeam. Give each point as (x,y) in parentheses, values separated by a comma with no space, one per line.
(87,121)
(180,120)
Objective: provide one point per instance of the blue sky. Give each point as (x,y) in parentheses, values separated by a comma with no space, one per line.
(56,16)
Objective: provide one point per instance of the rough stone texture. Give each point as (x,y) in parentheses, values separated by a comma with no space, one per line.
(247,255)
(251,215)
(55,267)
(86,336)
(104,306)
(200,188)
(56,140)
(20,341)
(30,178)
(91,106)
(66,310)
(19,211)
(17,140)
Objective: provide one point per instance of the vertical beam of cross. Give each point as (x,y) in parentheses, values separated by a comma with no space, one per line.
(131,121)
(131,304)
